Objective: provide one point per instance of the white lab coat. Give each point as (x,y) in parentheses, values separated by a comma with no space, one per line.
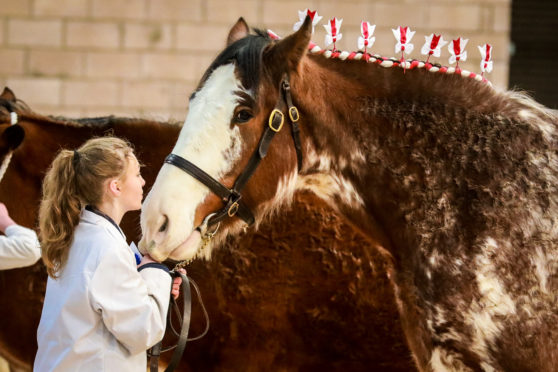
(101,314)
(18,248)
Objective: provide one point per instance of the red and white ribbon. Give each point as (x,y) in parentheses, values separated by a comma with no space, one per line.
(302,16)
(333,34)
(457,51)
(273,35)
(366,40)
(403,36)
(486,54)
(433,46)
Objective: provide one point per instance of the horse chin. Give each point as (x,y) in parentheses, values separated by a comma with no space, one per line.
(187,249)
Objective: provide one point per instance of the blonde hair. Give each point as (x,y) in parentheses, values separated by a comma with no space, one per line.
(74,180)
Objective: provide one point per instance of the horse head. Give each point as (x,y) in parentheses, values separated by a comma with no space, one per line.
(11,134)
(239,105)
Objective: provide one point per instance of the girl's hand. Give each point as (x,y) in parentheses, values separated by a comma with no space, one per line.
(176,284)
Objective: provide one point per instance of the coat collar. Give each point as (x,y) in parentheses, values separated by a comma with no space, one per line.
(93,218)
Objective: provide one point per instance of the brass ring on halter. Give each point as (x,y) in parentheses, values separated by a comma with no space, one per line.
(233,209)
(293,114)
(271,120)
(210,235)
(203,227)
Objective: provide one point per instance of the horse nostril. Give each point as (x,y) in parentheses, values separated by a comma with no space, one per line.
(165,224)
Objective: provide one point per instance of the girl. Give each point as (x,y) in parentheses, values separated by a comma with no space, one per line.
(101,313)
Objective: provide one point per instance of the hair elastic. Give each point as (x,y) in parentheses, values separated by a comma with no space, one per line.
(75,160)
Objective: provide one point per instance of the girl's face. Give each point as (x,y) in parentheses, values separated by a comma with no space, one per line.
(131,186)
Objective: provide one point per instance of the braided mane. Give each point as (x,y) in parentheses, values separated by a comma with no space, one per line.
(393,62)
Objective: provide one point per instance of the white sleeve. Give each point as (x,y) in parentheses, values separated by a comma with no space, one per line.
(133,305)
(20,247)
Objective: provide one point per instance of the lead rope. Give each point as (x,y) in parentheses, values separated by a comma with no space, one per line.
(184,321)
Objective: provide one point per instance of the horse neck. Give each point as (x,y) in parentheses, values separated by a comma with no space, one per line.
(353,128)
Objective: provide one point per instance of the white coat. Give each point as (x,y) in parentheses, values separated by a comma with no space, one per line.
(101,314)
(18,248)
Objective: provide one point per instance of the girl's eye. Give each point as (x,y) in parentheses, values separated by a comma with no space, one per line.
(242,116)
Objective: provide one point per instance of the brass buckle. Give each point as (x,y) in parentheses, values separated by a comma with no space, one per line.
(293,114)
(233,209)
(271,116)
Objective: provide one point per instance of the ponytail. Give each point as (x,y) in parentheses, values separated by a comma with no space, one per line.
(59,212)
(75,179)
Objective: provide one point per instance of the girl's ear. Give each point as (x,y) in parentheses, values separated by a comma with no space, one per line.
(113,187)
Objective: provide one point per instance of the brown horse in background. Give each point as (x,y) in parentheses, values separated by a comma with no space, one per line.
(282,298)
(456,180)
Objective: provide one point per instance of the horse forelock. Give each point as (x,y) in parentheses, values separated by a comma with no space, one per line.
(246,55)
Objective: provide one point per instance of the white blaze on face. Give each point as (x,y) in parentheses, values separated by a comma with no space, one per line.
(208,141)
(5,164)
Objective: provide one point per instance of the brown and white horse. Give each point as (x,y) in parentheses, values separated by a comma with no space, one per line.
(456,180)
(277,299)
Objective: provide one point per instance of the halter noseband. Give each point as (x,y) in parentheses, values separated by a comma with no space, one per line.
(234,205)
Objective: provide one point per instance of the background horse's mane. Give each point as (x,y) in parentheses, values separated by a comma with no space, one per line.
(23,110)
(105,121)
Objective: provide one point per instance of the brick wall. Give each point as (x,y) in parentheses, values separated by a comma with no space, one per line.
(143,57)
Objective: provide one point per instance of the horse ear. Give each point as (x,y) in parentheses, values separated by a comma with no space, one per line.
(238,31)
(8,95)
(293,47)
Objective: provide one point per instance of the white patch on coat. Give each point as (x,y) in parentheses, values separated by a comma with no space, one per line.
(208,141)
(330,186)
(540,261)
(435,259)
(443,361)
(286,187)
(326,183)
(494,304)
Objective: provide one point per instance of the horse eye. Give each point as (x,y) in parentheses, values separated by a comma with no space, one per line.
(242,116)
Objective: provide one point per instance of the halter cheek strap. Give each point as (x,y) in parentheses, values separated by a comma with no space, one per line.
(234,205)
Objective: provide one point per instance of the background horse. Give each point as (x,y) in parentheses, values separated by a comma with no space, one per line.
(457,181)
(281,298)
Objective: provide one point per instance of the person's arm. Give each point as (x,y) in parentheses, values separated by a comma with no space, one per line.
(20,246)
(133,304)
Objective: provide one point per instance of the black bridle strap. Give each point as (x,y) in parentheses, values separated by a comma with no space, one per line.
(294,116)
(275,123)
(231,197)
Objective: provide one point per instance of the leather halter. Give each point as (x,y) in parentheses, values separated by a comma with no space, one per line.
(234,205)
